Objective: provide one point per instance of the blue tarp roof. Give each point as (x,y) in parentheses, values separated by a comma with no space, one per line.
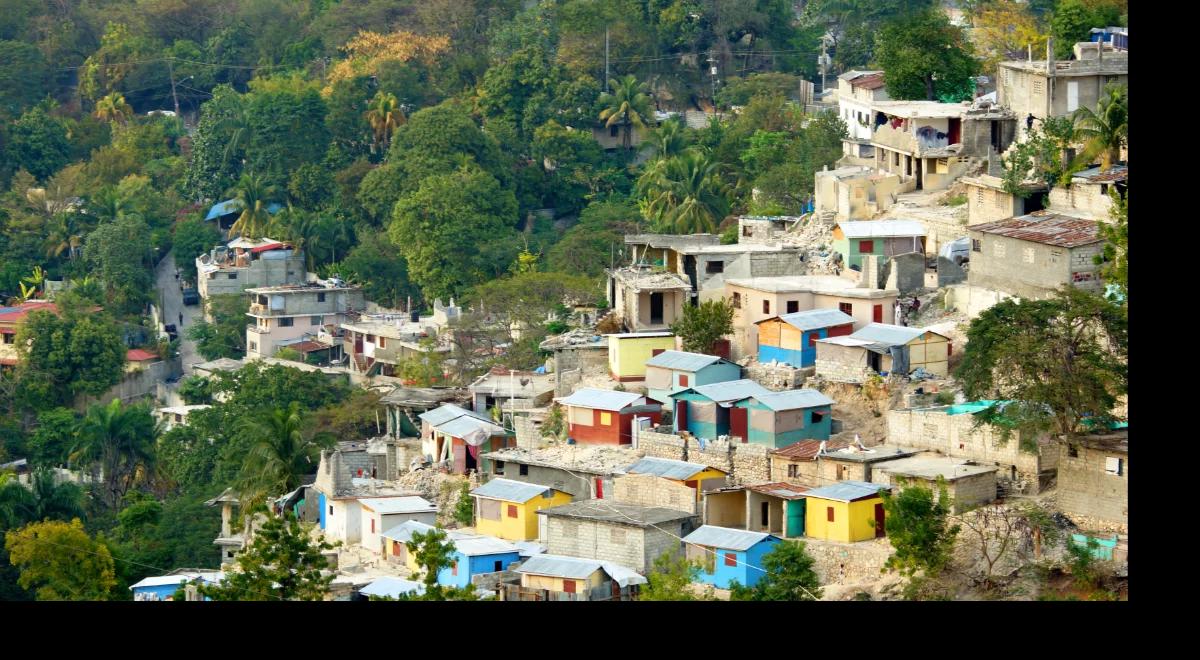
(229,206)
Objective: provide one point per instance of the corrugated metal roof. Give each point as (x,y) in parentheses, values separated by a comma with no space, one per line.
(529,548)
(730,390)
(210,577)
(386,505)
(589,397)
(475,545)
(447,412)
(575,568)
(1045,228)
(616,512)
(780,489)
(682,360)
(1111,175)
(509,490)
(881,228)
(884,333)
(404,531)
(392,587)
(847,491)
(666,467)
(869,81)
(725,538)
(806,450)
(465,426)
(813,319)
(793,399)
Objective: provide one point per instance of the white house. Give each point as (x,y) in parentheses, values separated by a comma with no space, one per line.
(383,513)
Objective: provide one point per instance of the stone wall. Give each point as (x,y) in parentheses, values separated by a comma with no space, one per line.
(571,365)
(529,434)
(588,539)
(650,490)
(777,377)
(965,492)
(840,563)
(843,370)
(746,463)
(1087,491)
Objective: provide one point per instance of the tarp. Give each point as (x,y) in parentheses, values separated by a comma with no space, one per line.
(899,360)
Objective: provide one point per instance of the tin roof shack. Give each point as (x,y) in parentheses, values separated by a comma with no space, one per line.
(628,534)
(792,338)
(845,512)
(777,508)
(380,513)
(282,315)
(511,390)
(577,354)
(780,419)
(556,578)
(1026,464)
(605,417)
(887,238)
(693,475)
(705,411)
(760,298)
(884,349)
(1093,479)
(1031,256)
(646,299)
(473,555)
(968,485)
(672,371)
(163,587)
(405,404)
(508,509)
(988,202)
(581,471)
(1046,88)
(456,437)
(1088,194)
(856,192)
(726,554)
(247,264)
(629,352)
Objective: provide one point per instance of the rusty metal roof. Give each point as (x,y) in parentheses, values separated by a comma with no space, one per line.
(869,81)
(1046,228)
(780,489)
(1112,174)
(806,450)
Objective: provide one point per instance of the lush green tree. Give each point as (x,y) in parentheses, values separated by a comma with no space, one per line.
(119,440)
(739,91)
(195,390)
(24,76)
(311,186)
(218,147)
(590,246)
(434,552)
(253,194)
(701,326)
(626,105)
(119,254)
(435,141)
(1115,260)
(1072,21)
(429,225)
(424,369)
(51,440)
(855,24)
(464,511)
(670,139)
(61,561)
(257,386)
(520,304)
(384,115)
(1105,129)
(572,160)
(282,563)
(670,579)
(377,266)
(186,457)
(686,194)
(923,56)
(788,575)
(38,143)
(226,335)
(43,499)
(113,109)
(280,453)
(916,520)
(286,129)
(1041,157)
(1061,361)
(1004,28)
(193,237)
(65,356)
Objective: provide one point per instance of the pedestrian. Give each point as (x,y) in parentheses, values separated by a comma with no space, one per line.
(176,274)
(1029,122)
(916,306)
(181,319)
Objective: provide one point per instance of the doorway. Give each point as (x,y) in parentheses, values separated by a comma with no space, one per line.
(873,360)
(656,308)
(879,530)
(766,515)
(738,423)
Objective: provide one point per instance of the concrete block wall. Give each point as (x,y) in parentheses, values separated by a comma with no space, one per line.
(1086,490)
(841,372)
(840,563)
(662,445)
(777,377)
(965,493)
(529,435)
(623,544)
(745,462)
(650,490)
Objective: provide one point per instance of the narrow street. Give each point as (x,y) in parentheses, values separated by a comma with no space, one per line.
(171,300)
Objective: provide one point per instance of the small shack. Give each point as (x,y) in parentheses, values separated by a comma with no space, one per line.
(672,371)
(882,348)
(846,511)
(726,554)
(693,475)
(605,417)
(967,484)
(886,238)
(380,513)
(629,534)
(792,338)
(779,419)
(707,411)
(456,436)
(628,352)
(777,508)
(555,577)
(508,509)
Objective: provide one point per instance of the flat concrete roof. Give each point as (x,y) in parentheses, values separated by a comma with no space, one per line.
(932,467)
(870,454)
(823,284)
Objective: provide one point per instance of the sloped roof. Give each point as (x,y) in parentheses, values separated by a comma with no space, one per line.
(469,426)
(813,319)
(730,390)
(231,206)
(447,412)
(210,577)
(1111,175)
(847,491)
(475,545)
(139,355)
(667,467)
(611,511)
(1045,228)
(19,312)
(868,81)
(392,587)
(780,489)
(404,531)
(885,333)
(806,450)
(726,538)
(682,360)
(881,228)
(575,568)
(589,397)
(509,490)
(793,399)
(408,504)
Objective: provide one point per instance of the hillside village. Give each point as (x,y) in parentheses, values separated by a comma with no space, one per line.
(644,445)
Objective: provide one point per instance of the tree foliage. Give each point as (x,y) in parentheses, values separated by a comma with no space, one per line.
(282,563)
(64,356)
(61,562)
(120,440)
(225,336)
(788,575)
(916,520)
(671,578)
(701,326)
(923,56)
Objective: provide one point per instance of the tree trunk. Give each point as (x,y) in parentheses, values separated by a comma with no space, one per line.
(929,88)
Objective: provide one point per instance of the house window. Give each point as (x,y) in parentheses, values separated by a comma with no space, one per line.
(975,245)
(316,320)
(683,380)
(714,267)
(766,307)
(877,314)
(829,514)
(866,247)
(254,346)
(612,131)
(9,338)
(331,509)
(1072,452)
(731,559)
(812,340)
(793,306)
(816,417)
(746,231)
(232,276)
(737,300)
(498,467)
(1113,465)
(178,418)
(286,322)
(320,297)
(569,585)
(605,419)
(793,470)
(512,510)
(372,525)
(845,308)
(383,342)
(524,470)
(1027,255)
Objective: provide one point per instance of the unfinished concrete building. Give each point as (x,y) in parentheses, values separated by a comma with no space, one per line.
(968,485)
(1088,195)
(1093,479)
(857,91)
(987,201)
(581,472)
(646,299)
(1033,255)
(856,192)
(246,264)
(776,508)
(1049,88)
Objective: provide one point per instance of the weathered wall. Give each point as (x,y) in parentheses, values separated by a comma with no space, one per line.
(1087,199)
(651,490)
(529,434)
(1085,489)
(949,272)
(905,272)
(1031,270)
(628,545)
(778,377)
(570,365)
(745,462)
(972,300)
(839,563)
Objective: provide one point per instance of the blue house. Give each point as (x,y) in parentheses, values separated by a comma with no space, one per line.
(729,554)
(672,371)
(705,411)
(792,338)
(163,587)
(780,419)
(474,554)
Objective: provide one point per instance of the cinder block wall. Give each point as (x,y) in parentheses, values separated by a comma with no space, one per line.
(622,544)
(649,490)
(1085,489)
(746,463)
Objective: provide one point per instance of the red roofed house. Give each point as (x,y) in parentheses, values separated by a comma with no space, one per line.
(1032,255)
(605,417)
(10,320)
(797,463)
(136,359)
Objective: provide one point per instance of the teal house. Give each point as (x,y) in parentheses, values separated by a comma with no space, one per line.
(708,411)
(886,238)
(779,419)
(669,372)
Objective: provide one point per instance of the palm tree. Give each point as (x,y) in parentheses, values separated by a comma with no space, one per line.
(43,499)
(108,204)
(1106,129)
(253,195)
(63,236)
(120,440)
(385,115)
(113,108)
(627,106)
(669,139)
(302,229)
(280,453)
(685,194)
(237,127)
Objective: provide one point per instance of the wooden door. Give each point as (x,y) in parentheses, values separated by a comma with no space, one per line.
(738,423)
(681,416)
(879,531)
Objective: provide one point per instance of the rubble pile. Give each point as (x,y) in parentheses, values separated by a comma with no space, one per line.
(441,488)
(597,458)
(814,234)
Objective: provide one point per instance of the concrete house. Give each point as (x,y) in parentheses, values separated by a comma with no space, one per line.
(776,508)
(453,435)
(886,238)
(780,419)
(474,554)
(11,319)
(646,299)
(1049,88)
(792,338)
(1033,255)
(798,463)
(707,411)
(673,371)
(290,314)
(728,554)
(380,343)
(576,354)
(882,348)
(857,91)
(550,577)
(968,485)
(586,472)
(629,352)
(403,405)
(172,416)
(854,463)
(693,475)
(508,509)
(511,390)
(628,534)
(1093,479)
(846,512)
(760,298)
(380,513)
(1088,194)
(987,201)
(606,416)
(856,192)
(244,264)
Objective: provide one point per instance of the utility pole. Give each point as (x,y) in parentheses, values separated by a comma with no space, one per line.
(171,70)
(712,64)
(606,58)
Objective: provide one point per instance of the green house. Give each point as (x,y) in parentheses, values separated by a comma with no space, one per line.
(886,238)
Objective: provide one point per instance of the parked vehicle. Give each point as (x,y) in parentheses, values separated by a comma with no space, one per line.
(171,331)
(191,297)
(958,250)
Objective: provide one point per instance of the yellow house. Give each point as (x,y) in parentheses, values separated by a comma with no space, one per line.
(846,511)
(395,538)
(576,578)
(508,509)
(629,352)
(693,475)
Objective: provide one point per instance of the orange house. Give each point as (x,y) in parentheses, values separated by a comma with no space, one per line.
(605,417)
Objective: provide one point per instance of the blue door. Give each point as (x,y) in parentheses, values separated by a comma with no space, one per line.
(321,504)
(808,352)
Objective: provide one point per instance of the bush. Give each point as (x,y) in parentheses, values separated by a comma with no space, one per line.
(464,511)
